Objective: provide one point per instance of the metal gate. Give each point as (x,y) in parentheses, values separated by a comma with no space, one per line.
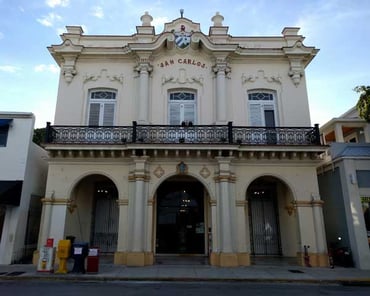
(105,219)
(264,225)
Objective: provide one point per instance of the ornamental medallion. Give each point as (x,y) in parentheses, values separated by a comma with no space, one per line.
(182,38)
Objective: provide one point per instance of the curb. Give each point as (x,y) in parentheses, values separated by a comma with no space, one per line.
(84,278)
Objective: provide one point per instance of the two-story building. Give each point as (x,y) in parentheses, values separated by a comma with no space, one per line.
(344,182)
(23,171)
(185,143)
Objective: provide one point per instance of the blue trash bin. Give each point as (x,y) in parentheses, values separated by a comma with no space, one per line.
(79,254)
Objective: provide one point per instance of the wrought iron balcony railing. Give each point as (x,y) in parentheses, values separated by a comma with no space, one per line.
(181,134)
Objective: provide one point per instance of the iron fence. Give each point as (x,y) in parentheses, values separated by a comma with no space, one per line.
(182,134)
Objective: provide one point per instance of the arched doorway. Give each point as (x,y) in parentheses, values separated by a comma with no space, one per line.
(273,222)
(104,226)
(181,217)
(263,215)
(93,214)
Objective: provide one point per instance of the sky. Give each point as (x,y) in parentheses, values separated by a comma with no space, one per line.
(339,28)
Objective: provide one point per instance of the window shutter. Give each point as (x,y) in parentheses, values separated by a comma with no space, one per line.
(174,114)
(189,112)
(94,114)
(108,116)
(255,115)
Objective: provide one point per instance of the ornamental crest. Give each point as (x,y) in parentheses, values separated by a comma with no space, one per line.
(182,38)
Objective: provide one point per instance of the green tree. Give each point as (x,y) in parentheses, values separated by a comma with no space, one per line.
(39,136)
(363,104)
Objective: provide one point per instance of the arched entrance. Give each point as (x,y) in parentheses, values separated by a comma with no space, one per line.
(93,213)
(273,226)
(104,226)
(181,217)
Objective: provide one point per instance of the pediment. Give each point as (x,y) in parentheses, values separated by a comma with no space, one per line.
(175,25)
(66,47)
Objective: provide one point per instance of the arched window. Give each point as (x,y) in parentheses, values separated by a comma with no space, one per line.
(262,108)
(102,105)
(181,107)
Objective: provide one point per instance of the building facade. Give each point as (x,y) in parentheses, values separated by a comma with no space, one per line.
(344,182)
(185,143)
(23,170)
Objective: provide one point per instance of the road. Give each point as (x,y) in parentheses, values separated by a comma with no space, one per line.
(129,288)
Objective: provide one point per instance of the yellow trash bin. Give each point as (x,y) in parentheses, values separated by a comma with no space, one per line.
(64,250)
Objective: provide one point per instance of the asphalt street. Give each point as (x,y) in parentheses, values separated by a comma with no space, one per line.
(129,288)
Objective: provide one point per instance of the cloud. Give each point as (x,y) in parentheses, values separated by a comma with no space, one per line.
(97,11)
(47,68)
(49,20)
(9,68)
(1,35)
(54,3)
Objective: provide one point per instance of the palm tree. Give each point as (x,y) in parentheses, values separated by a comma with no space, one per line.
(363,104)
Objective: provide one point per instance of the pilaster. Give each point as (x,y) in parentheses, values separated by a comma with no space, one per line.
(221,69)
(144,69)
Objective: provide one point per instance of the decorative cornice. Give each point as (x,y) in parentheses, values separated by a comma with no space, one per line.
(299,56)
(66,54)
(122,202)
(56,201)
(317,203)
(225,178)
(182,78)
(103,74)
(139,176)
(308,203)
(241,203)
(260,75)
(212,202)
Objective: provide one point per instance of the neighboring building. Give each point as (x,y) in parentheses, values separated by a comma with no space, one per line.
(344,182)
(23,170)
(185,143)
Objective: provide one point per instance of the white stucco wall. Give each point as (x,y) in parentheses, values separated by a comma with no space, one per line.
(23,160)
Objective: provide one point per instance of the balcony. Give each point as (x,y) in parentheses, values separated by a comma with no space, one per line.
(183,134)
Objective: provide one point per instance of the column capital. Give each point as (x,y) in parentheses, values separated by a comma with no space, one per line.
(122,202)
(241,203)
(144,67)
(221,68)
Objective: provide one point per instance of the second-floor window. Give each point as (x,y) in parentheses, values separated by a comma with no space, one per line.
(181,108)
(262,110)
(102,104)
(4,128)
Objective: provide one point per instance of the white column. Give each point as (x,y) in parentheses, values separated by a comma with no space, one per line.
(214,229)
(45,222)
(221,70)
(319,225)
(58,220)
(149,227)
(226,243)
(338,133)
(224,204)
(122,239)
(144,70)
(139,205)
(138,229)
(367,133)
(243,240)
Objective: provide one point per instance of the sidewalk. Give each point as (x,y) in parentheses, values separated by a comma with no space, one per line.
(254,273)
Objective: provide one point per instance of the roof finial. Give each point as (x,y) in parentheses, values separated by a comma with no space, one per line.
(182,12)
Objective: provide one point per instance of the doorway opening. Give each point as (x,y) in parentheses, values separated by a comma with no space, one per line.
(181,224)
(263,219)
(104,226)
